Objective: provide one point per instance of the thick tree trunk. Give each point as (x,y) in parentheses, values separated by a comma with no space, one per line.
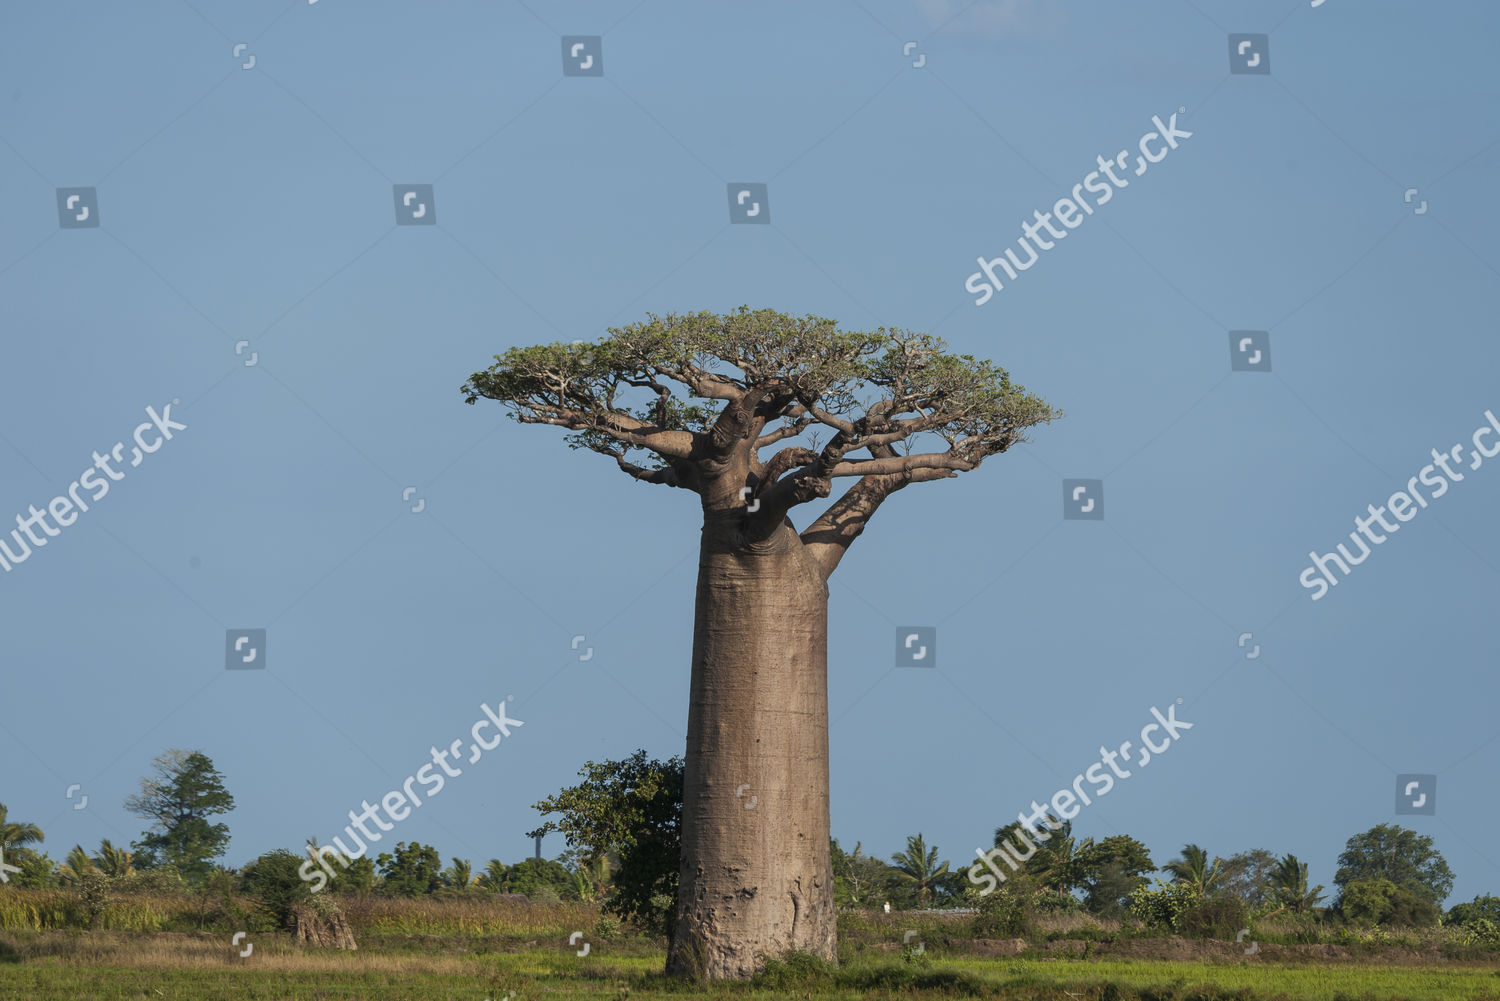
(756,877)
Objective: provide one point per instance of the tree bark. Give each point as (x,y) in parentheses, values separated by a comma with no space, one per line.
(756,876)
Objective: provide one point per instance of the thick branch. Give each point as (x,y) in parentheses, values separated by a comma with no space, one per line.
(901,464)
(621,427)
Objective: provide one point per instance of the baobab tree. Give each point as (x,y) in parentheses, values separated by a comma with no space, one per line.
(758,882)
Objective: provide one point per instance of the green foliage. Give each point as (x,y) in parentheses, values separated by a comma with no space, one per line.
(358,877)
(1194,869)
(1399,855)
(459,876)
(858,878)
(1486,907)
(666,361)
(410,869)
(75,867)
(1287,886)
(38,870)
(273,883)
(94,894)
(15,835)
(630,811)
(1010,910)
(1248,875)
(1164,905)
(1218,917)
(1107,871)
(1382,902)
(114,862)
(185,791)
(918,867)
(539,879)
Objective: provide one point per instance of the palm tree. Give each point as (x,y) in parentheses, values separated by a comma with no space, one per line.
(17,836)
(1060,862)
(1193,870)
(113,862)
(918,866)
(77,866)
(1289,886)
(461,875)
(495,876)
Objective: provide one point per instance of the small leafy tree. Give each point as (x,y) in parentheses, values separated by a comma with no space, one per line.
(411,869)
(179,799)
(857,878)
(1164,905)
(1379,901)
(273,883)
(1111,870)
(1480,908)
(631,811)
(1397,854)
(1247,875)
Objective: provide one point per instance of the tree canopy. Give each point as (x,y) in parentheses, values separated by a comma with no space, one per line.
(185,791)
(765,378)
(1397,854)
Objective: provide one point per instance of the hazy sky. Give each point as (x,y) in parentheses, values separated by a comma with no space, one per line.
(257,209)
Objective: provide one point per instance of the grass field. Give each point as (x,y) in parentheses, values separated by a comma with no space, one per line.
(476,949)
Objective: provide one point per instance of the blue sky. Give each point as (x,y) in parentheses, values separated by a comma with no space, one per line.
(254,208)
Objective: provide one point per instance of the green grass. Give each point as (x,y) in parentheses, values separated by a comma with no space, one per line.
(472,947)
(62,966)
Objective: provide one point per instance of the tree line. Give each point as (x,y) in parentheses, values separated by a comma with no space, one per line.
(622,825)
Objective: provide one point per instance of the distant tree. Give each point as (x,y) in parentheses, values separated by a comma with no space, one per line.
(918,867)
(539,879)
(858,879)
(15,836)
(116,863)
(1397,854)
(1112,870)
(1374,900)
(494,876)
(185,791)
(1486,908)
(273,883)
(1193,869)
(460,875)
(76,866)
(410,870)
(1288,886)
(357,877)
(1247,875)
(631,811)
(38,870)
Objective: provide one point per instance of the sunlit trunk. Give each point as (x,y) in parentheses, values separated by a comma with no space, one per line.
(756,877)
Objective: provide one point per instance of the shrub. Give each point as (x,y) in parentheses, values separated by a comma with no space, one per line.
(1216,917)
(1010,911)
(1164,905)
(1487,907)
(273,883)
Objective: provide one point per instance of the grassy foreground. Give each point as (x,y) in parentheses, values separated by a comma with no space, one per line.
(475,949)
